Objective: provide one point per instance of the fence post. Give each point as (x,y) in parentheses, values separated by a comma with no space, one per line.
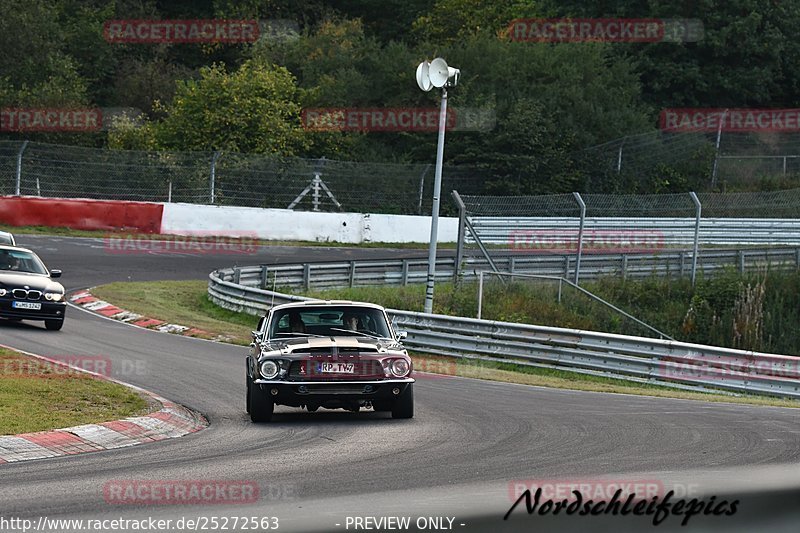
(480,292)
(716,154)
(422,187)
(462,217)
(213,176)
(19,166)
(699,212)
(580,236)
(169,192)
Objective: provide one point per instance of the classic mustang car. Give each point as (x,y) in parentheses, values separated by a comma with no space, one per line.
(27,291)
(330,354)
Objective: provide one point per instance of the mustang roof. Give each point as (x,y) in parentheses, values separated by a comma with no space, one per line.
(324,303)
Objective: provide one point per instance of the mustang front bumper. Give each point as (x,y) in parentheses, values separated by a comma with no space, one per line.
(300,392)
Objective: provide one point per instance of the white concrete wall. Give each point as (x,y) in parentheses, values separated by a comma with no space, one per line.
(284,224)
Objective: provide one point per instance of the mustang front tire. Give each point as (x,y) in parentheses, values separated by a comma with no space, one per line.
(260,407)
(404,405)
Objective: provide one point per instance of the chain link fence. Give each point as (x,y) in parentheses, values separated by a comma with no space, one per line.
(47,170)
(743,161)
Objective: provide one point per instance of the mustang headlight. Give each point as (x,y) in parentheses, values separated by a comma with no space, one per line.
(269,369)
(3,292)
(54,296)
(400,368)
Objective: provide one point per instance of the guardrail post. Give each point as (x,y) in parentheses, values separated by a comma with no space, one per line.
(404,275)
(19,166)
(740,255)
(237,275)
(797,259)
(307,276)
(263,278)
(624,266)
(582,205)
(682,259)
(352,273)
(699,212)
(566,266)
(512,263)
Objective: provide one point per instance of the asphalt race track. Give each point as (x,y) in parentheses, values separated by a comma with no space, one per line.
(468,442)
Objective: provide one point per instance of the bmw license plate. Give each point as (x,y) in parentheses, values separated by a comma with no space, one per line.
(337,368)
(36,306)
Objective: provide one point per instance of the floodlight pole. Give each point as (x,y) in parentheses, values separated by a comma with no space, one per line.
(437,189)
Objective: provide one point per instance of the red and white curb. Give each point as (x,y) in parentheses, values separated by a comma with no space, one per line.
(87,301)
(171,421)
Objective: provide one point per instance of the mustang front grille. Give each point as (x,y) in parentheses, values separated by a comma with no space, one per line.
(369,369)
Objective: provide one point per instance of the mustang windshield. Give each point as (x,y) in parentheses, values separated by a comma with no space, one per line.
(18,261)
(329,321)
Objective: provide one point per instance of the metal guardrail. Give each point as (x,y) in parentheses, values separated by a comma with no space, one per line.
(654,232)
(325,275)
(656,361)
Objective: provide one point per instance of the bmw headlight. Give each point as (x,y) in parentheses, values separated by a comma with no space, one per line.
(54,296)
(269,369)
(400,368)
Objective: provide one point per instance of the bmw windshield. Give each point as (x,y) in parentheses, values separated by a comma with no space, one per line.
(21,261)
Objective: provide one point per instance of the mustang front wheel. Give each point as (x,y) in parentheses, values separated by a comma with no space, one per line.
(404,405)
(260,407)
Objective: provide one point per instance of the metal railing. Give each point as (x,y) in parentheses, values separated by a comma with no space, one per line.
(333,274)
(655,361)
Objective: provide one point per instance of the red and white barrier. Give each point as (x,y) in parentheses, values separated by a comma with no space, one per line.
(142,217)
(193,219)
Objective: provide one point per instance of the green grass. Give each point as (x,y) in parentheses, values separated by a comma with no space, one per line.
(36,395)
(179,302)
(186,303)
(69,232)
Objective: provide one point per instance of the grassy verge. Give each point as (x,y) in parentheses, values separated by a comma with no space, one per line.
(36,395)
(186,303)
(68,232)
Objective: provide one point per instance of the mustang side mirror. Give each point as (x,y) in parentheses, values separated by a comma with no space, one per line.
(402,335)
(55,273)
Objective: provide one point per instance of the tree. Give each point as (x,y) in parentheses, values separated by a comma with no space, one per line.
(255,109)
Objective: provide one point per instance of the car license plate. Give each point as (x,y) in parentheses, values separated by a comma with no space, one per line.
(27,305)
(337,368)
